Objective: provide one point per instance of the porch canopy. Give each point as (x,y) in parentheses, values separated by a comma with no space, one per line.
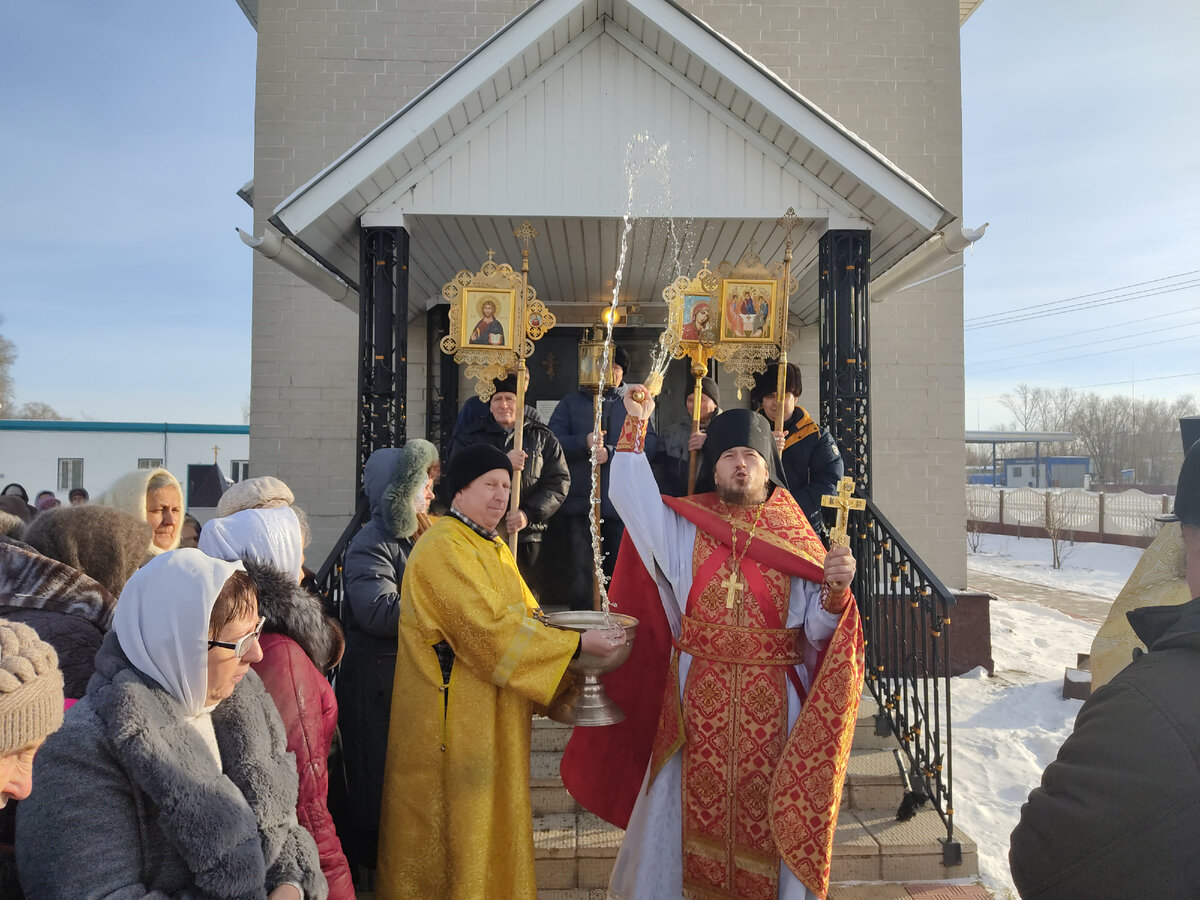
(545,120)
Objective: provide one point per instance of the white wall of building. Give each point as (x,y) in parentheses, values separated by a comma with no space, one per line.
(31,457)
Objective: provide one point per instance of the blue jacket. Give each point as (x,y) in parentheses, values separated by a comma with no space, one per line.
(571,423)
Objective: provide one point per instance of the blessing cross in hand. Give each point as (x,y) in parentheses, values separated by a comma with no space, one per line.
(843,501)
(733,585)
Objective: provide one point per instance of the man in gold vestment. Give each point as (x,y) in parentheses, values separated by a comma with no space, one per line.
(757,668)
(471,663)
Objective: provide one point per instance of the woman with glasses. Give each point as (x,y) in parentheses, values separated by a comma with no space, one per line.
(171,777)
(299,645)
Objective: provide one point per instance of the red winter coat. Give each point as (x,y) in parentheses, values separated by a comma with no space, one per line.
(308,708)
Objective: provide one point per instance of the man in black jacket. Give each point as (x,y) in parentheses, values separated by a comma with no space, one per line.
(811,462)
(545,478)
(1118,812)
(574,426)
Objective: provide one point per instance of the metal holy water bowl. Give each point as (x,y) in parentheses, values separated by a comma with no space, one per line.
(585,702)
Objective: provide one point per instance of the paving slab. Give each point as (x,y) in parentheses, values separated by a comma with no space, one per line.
(1085,607)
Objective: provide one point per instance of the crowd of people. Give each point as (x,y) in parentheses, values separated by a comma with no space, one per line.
(204,750)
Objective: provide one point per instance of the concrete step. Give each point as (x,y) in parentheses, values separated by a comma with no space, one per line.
(873,780)
(870,845)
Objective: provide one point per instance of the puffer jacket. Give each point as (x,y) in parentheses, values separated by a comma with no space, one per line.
(545,478)
(571,423)
(68,610)
(296,637)
(374,567)
(1118,812)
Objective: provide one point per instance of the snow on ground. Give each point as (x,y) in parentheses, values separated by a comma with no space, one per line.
(1097,569)
(1008,728)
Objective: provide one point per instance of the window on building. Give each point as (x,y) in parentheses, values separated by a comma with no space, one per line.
(149,462)
(70,474)
(239,469)
(1016,471)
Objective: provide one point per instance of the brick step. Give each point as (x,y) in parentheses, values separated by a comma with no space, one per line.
(938,890)
(870,845)
(573,851)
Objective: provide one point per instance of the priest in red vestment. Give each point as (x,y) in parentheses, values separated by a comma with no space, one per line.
(742,692)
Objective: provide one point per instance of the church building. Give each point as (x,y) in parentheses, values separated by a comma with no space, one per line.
(397,142)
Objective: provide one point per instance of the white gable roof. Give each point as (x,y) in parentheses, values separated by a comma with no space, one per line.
(535,124)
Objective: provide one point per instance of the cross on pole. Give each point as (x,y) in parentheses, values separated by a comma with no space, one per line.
(843,501)
(733,585)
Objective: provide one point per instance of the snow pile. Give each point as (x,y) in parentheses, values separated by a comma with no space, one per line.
(1100,570)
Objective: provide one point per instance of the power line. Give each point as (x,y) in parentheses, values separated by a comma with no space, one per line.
(1186,337)
(1121,337)
(1055,303)
(1094,304)
(1077,332)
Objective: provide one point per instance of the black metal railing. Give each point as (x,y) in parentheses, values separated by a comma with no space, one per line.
(329,582)
(906,612)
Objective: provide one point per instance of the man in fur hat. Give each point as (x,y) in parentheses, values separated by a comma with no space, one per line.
(811,462)
(742,689)
(1118,812)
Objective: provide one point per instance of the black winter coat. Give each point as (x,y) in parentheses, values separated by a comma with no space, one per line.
(571,423)
(811,464)
(1118,812)
(374,567)
(545,478)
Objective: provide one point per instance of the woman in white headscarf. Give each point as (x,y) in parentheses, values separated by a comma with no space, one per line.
(299,644)
(155,496)
(171,778)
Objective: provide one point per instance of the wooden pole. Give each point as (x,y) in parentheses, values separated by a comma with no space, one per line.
(524,233)
(788,221)
(699,370)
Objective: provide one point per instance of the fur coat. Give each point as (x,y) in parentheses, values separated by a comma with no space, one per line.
(130,802)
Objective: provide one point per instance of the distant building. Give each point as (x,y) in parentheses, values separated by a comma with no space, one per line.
(58,455)
(1048,471)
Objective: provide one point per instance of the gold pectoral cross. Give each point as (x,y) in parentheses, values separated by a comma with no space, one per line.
(733,588)
(843,501)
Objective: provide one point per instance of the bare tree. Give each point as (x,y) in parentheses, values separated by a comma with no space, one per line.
(35,409)
(8,356)
(1061,506)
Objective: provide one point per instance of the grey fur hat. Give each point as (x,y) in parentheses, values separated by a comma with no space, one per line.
(418,460)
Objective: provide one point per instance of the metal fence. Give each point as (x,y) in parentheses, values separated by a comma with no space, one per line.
(1129,513)
(906,613)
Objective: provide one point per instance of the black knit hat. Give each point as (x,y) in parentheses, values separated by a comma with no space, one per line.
(469,463)
(767,382)
(743,428)
(1187,493)
(621,358)
(507,384)
(708,387)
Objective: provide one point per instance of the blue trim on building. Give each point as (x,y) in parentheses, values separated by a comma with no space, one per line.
(124,427)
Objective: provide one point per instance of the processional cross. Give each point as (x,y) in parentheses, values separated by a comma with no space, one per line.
(843,501)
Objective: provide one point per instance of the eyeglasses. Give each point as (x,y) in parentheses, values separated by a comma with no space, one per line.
(241,646)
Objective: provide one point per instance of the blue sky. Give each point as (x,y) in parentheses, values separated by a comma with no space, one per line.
(127,291)
(1082,148)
